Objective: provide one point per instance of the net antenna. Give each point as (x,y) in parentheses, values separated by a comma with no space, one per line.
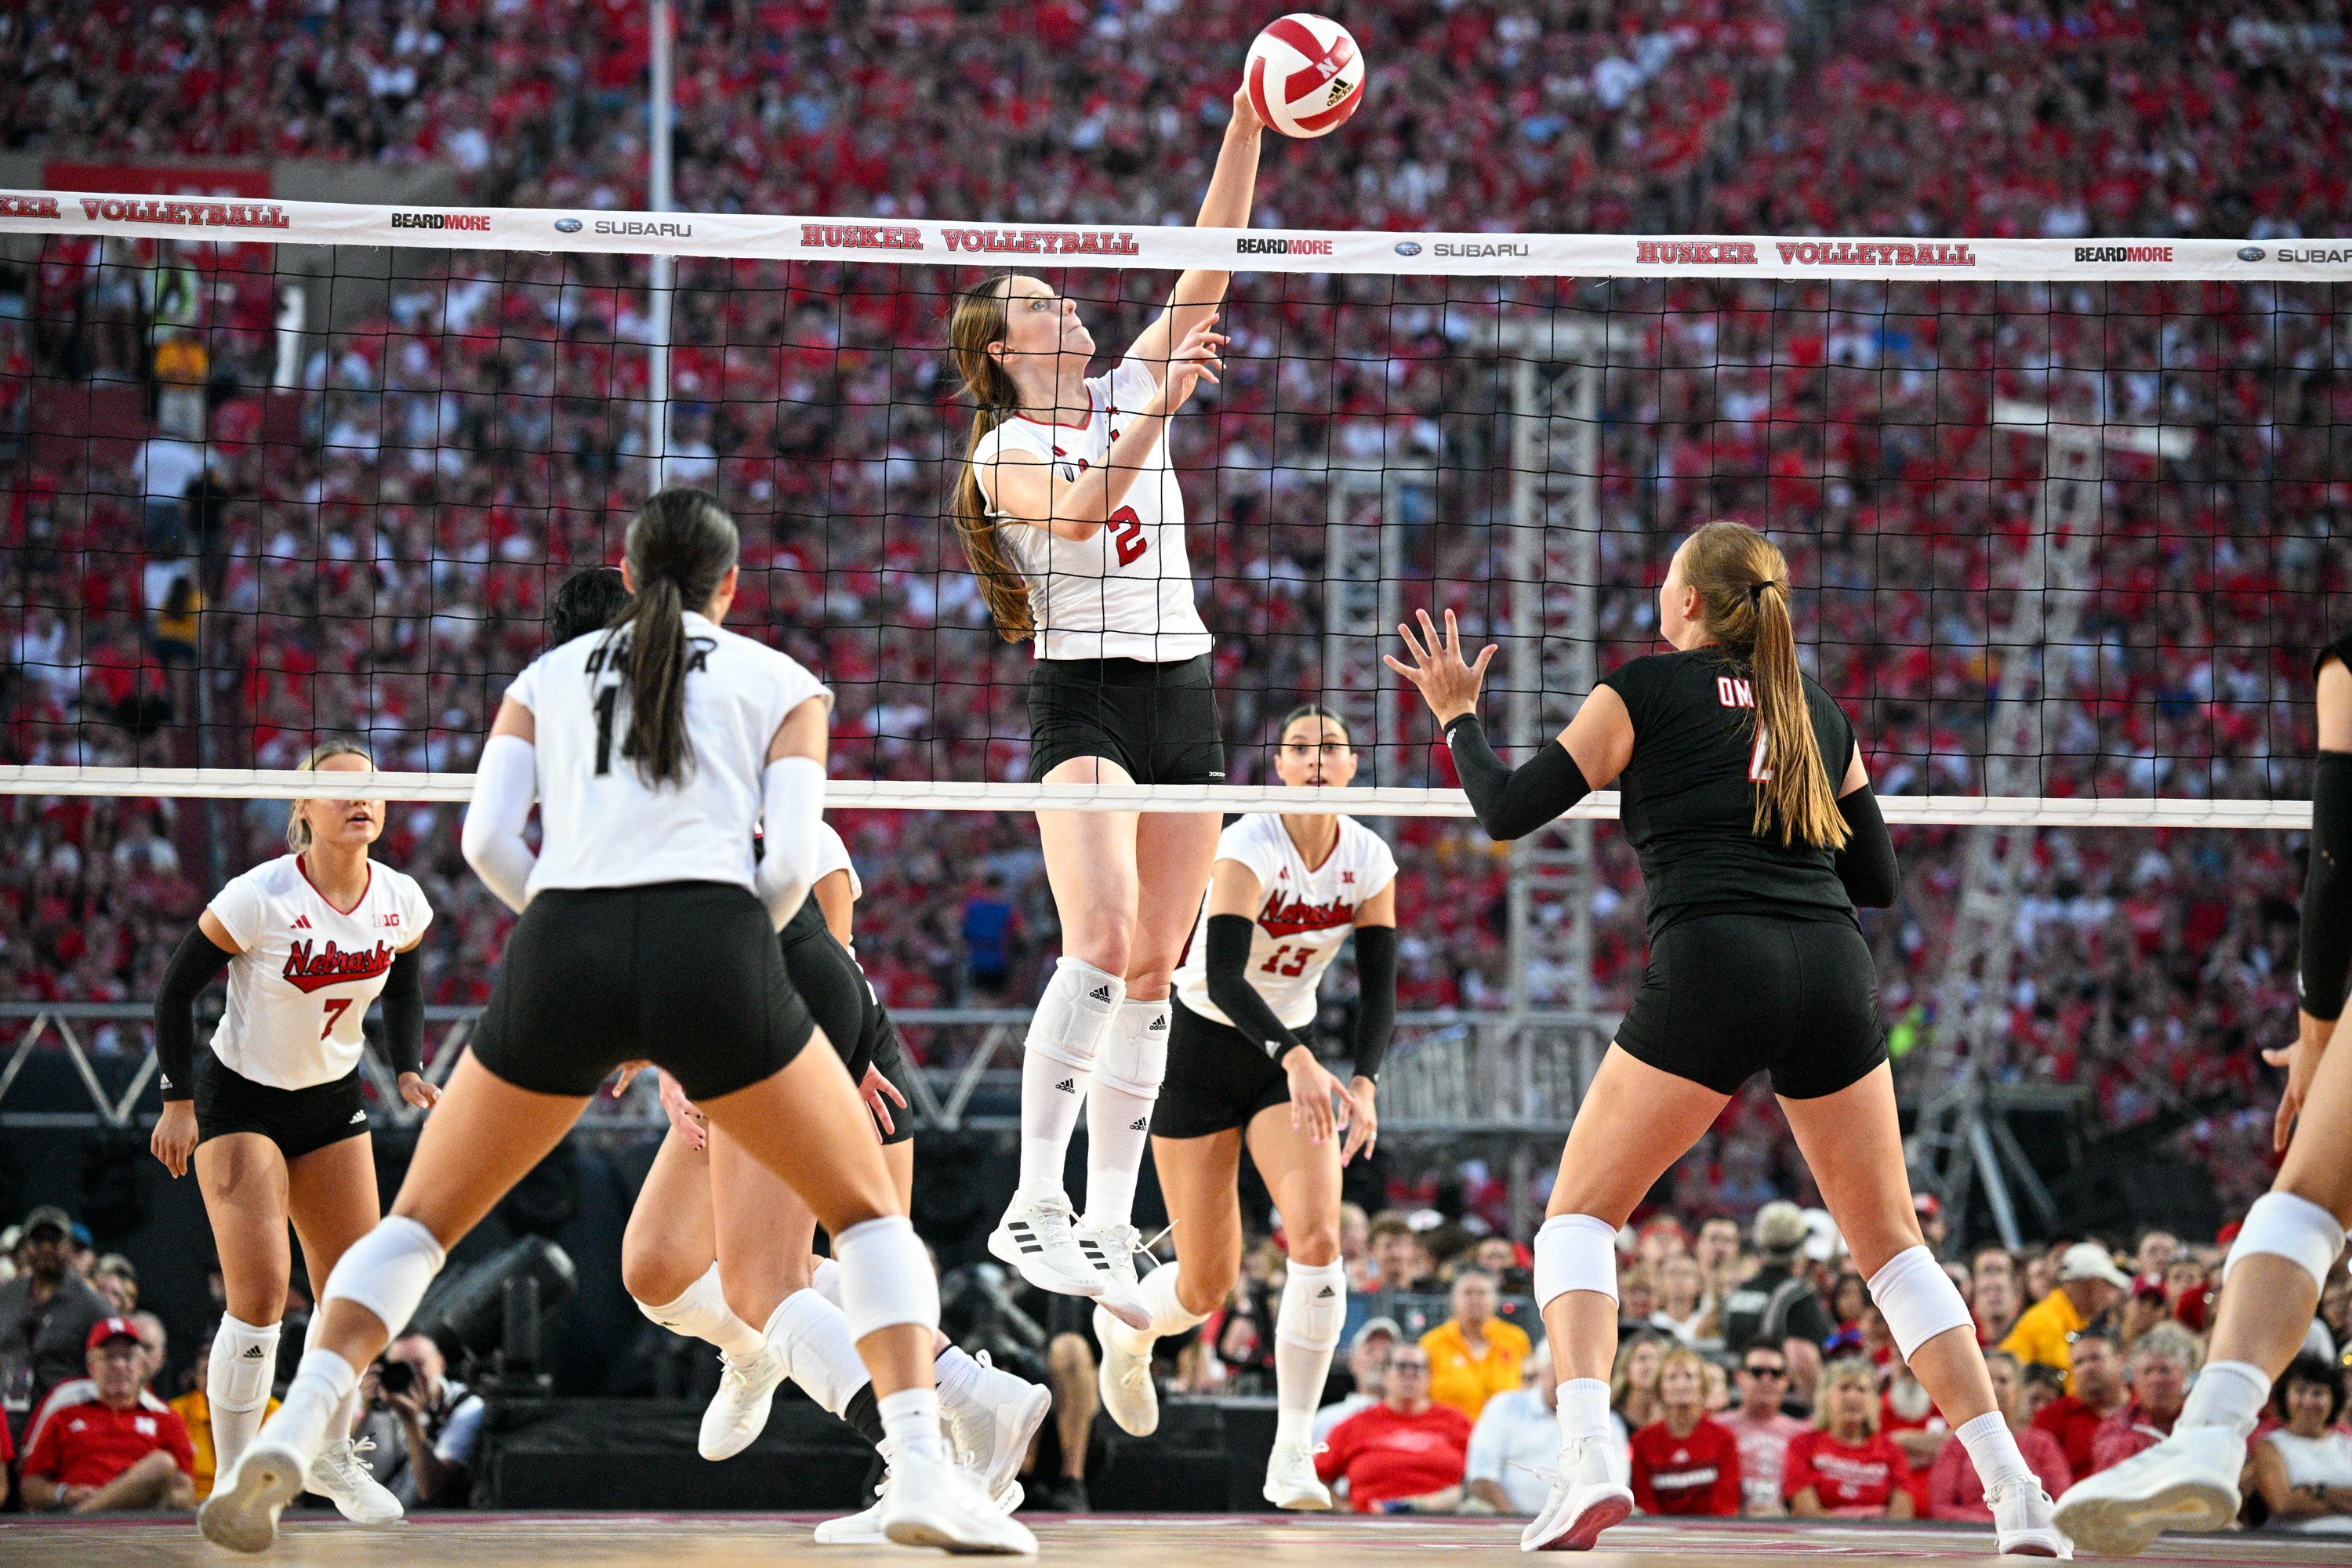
(1960,1137)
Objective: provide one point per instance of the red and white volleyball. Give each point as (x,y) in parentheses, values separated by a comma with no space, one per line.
(1305,75)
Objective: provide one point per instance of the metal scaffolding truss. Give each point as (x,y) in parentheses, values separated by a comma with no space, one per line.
(1363,571)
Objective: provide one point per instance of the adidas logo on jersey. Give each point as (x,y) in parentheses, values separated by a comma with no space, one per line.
(1067,1086)
(1100,992)
(302,922)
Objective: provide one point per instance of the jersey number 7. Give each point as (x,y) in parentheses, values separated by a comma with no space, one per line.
(336,1007)
(1128,541)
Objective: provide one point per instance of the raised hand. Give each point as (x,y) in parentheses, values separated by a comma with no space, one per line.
(1447,684)
(1193,359)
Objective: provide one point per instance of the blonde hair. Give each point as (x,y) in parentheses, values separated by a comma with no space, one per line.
(1621,1376)
(1675,1357)
(1844,1369)
(298,826)
(980,321)
(1742,581)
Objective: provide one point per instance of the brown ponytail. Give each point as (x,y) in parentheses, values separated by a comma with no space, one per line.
(680,545)
(1742,581)
(978,321)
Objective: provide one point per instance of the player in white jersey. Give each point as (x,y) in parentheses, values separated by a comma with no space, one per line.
(647,932)
(1071,515)
(274,1118)
(1284,894)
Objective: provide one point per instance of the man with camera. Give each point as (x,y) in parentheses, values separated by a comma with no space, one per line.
(423,1423)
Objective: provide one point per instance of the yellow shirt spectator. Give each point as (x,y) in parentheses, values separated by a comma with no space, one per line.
(195,1413)
(2088,1284)
(1464,1378)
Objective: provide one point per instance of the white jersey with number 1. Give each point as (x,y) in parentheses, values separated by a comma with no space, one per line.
(1304,913)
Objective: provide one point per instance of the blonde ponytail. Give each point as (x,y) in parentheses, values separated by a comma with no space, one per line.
(979,320)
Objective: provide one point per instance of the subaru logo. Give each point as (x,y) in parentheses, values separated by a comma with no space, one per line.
(2251,253)
(567,226)
(1408,248)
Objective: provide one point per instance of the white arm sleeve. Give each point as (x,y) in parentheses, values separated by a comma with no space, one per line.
(506,782)
(792,811)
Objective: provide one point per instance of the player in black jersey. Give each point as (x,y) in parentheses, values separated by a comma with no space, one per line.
(1725,753)
(2293,1233)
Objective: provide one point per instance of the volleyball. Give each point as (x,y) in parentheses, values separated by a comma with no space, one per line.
(1305,75)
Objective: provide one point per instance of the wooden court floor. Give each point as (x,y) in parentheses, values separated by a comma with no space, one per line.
(1178,1540)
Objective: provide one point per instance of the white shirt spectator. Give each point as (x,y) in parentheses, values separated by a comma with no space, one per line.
(1515,1444)
(2325,1460)
(165,468)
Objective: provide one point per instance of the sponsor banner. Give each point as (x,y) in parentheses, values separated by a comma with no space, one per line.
(794,238)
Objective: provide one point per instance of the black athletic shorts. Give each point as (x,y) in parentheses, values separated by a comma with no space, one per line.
(1159,722)
(684,975)
(851,1016)
(1728,995)
(1217,1077)
(298,1120)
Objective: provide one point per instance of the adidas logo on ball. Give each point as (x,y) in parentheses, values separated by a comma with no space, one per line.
(1341,87)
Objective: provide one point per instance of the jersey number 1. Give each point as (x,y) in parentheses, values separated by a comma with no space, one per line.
(1128,541)
(605,701)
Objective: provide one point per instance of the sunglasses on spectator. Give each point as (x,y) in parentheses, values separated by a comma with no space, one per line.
(1758,1370)
(1408,1366)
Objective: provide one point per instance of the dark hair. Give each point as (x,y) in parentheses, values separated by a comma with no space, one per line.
(680,546)
(2099,1332)
(1742,579)
(2310,1367)
(979,320)
(1313,710)
(588,601)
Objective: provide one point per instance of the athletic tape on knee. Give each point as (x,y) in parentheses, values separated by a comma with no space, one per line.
(1313,1305)
(1077,1008)
(2291,1227)
(818,1349)
(244,1364)
(885,1276)
(1917,1299)
(1575,1252)
(1134,1055)
(387,1271)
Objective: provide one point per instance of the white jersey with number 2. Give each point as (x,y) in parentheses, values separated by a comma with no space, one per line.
(1304,913)
(1127,592)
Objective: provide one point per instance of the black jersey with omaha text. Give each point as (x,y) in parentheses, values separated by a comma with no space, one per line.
(1687,799)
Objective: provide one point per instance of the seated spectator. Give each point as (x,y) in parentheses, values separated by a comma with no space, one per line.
(1406,1454)
(2088,1284)
(1763,1430)
(1992,1301)
(1503,1261)
(1954,1490)
(104,1444)
(1685,1463)
(1845,1467)
(1516,1441)
(2303,1468)
(1400,1259)
(1637,1298)
(424,1424)
(116,1280)
(1368,1364)
(47,1313)
(1633,1384)
(1909,1417)
(1683,1310)
(2095,1391)
(2161,1365)
(196,1414)
(2158,1248)
(1473,1356)
(1849,1300)
(1777,1305)
(2042,1386)
(2145,1307)
(1355,1250)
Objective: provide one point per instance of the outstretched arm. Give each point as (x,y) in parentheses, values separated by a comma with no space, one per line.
(1200,291)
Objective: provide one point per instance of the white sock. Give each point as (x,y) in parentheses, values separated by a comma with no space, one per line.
(1057,1065)
(1127,1073)
(243,1364)
(2226,1394)
(956,1374)
(702,1313)
(320,1385)
(347,1413)
(1158,1290)
(1306,1332)
(1993,1448)
(911,1418)
(1583,1409)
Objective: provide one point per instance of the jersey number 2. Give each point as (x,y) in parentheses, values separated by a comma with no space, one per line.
(1128,541)
(336,1007)
(1298,965)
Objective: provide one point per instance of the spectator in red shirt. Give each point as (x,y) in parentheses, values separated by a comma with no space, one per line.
(2163,1360)
(1954,1489)
(2098,1392)
(1404,1455)
(1845,1467)
(106,1444)
(1682,1462)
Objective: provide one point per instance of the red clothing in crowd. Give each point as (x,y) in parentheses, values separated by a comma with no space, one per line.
(1852,1481)
(2126,1433)
(1386,1455)
(1955,1490)
(79,1441)
(2075,1425)
(1697,1474)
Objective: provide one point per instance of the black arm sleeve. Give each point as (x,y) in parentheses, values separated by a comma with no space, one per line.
(1512,803)
(194,965)
(1229,988)
(1376,970)
(2326,953)
(403,1011)
(1866,864)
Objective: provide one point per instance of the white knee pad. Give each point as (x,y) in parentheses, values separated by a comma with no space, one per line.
(1313,1305)
(1917,1299)
(242,1366)
(1575,1252)
(885,1276)
(1134,1055)
(1079,1006)
(819,1350)
(2291,1227)
(825,1278)
(387,1270)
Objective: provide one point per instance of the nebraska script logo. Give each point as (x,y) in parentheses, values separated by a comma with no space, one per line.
(307,970)
(1290,916)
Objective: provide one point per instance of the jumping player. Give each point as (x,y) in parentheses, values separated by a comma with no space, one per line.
(2292,1235)
(1283,894)
(1725,752)
(649,932)
(274,1120)
(1072,517)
